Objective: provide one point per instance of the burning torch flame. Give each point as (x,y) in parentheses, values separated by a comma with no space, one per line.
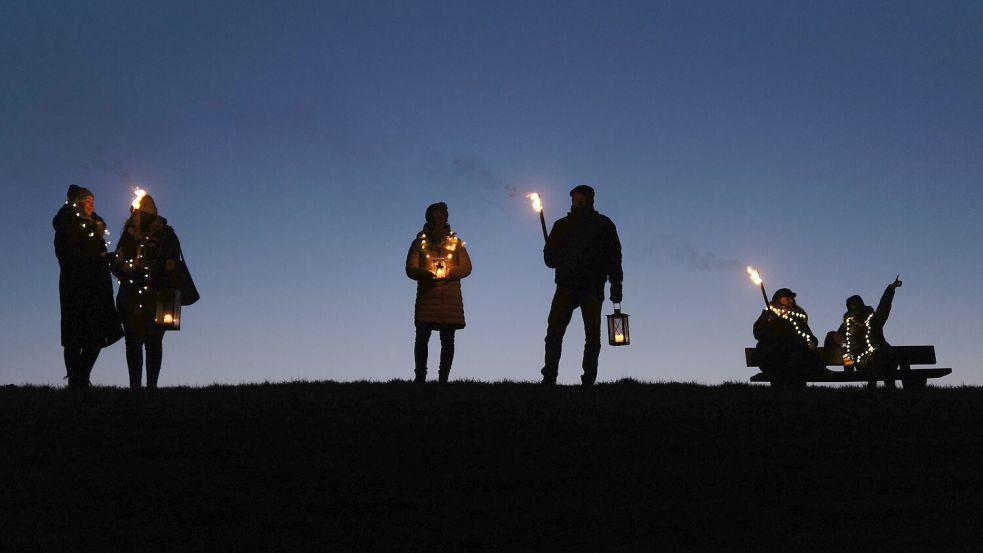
(537,204)
(139,193)
(755,277)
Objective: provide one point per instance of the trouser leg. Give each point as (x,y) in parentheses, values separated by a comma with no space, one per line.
(73,365)
(88,357)
(134,360)
(154,345)
(446,354)
(560,313)
(590,310)
(420,351)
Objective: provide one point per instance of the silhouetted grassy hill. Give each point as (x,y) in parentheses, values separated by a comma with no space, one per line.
(491,467)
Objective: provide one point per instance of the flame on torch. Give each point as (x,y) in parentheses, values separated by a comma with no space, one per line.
(139,193)
(537,205)
(756,278)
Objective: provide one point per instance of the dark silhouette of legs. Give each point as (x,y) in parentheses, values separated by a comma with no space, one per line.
(155,355)
(420,352)
(78,364)
(590,311)
(134,359)
(561,311)
(446,354)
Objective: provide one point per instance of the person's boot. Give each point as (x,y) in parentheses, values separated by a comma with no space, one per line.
(443,375)
(421,376)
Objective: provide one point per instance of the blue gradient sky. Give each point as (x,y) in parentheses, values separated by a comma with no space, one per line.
(294,147)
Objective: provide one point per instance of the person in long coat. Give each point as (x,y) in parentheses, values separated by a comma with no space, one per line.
(147,256)
(88,317)
(437,261)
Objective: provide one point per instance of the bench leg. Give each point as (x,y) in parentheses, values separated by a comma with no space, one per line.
(915,383)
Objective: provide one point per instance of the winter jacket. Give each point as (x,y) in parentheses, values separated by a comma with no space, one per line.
(865,334)
(784,324)
(142,270)
(584,249)
(438,301)
(85,288)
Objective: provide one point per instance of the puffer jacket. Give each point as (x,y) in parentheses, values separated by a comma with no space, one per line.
(438,301)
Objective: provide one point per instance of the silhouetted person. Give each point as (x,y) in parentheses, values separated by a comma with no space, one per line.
(786,348)
(437,261)
(85,288)
(146,261)
(585,252)
(862,337)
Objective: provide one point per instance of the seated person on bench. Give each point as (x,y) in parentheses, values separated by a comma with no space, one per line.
(786,345)
(862,336)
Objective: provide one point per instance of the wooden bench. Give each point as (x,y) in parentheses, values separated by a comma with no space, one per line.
(907,356)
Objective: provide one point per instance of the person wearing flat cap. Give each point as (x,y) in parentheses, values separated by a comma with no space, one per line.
(147,259)
(437,260)
(85,288)
(584,250)
(786,346)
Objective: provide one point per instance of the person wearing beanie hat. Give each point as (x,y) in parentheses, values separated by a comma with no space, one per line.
(88,316)
(148,258)
(786,347)
(584,250)
(862,336)
(437,260)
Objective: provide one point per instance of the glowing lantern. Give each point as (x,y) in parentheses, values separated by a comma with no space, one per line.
(439,267)
(618,334)
(168,312)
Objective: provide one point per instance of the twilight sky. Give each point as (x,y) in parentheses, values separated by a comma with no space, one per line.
(295,145)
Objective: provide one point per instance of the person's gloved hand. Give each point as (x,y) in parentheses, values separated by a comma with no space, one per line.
(616,293)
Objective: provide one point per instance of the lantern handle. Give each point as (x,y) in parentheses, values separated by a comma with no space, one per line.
(617,307)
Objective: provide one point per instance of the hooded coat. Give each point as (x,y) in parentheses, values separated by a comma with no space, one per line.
(585,250)
(438,301)
(85,287)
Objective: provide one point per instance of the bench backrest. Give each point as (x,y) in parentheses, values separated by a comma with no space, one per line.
(907,355)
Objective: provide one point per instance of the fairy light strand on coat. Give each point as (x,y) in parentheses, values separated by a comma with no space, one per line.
(790,316)
(849,347)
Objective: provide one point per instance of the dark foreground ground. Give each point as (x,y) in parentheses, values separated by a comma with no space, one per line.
(491,467)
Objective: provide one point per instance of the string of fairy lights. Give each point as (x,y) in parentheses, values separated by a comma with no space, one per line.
(790,316)
(870,347)
(448,244)
(85,226)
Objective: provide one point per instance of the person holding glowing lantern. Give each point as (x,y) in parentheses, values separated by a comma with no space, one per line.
(437,261)
(585,251)
(147,260)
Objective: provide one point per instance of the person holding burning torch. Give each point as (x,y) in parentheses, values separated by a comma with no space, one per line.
(146,260)
(584,250)
(437,261)
(786,345)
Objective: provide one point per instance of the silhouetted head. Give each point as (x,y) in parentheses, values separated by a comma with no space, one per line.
(437,215)
(582,196)
(783,297)
(147,205)
(86,200)
(855,305)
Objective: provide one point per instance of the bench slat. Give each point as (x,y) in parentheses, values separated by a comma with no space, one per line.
(907,355)
(855,376)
